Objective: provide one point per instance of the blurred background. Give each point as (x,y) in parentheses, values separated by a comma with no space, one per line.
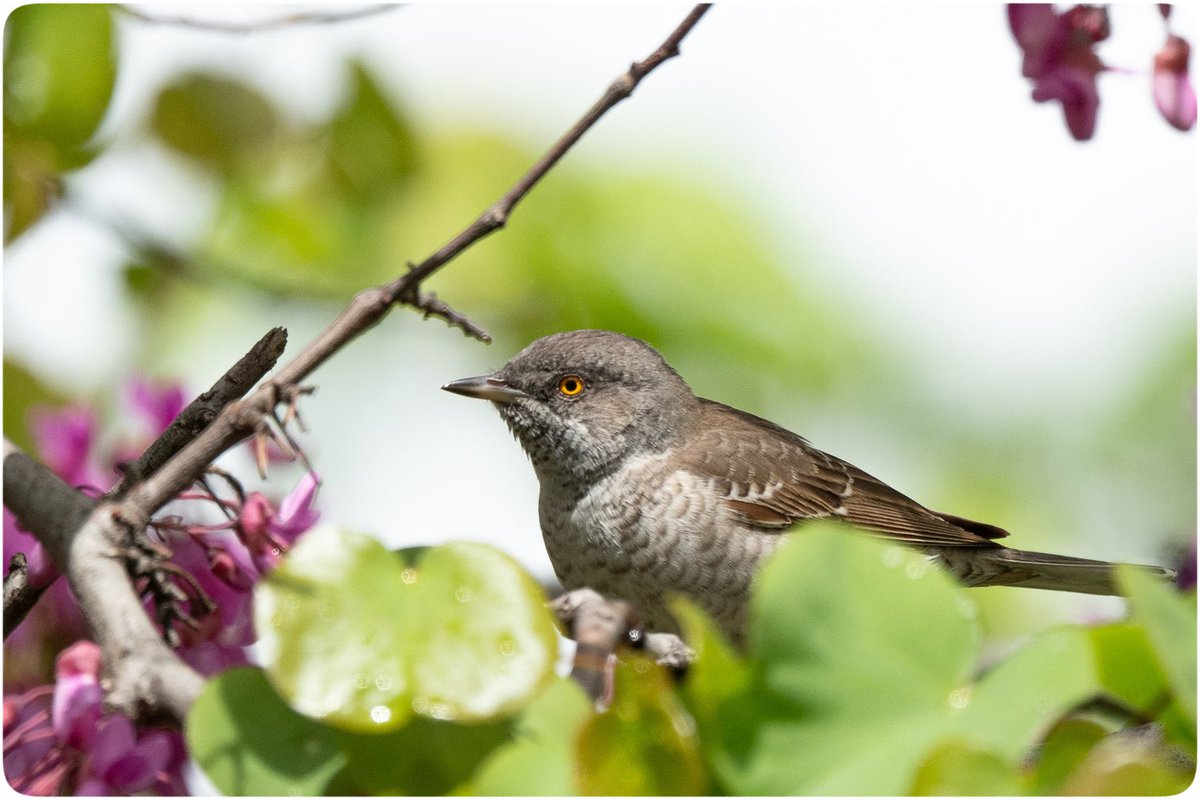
(849,218)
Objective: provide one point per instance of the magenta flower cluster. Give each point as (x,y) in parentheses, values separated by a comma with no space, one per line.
(1059,56)
(57,738)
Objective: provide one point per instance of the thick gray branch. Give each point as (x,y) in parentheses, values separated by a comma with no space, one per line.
(143,677)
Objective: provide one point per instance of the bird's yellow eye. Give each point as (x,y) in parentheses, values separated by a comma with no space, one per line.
(570,386)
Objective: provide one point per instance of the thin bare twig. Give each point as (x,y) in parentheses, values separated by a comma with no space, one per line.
(496,216)
(275,23)
(147,678)
(369,306)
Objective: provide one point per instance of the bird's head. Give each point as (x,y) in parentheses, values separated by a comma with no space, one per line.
(582,402)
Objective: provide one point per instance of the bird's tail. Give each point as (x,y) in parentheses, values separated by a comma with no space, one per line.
(1004,566)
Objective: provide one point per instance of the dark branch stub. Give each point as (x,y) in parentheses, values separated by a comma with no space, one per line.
(239,379)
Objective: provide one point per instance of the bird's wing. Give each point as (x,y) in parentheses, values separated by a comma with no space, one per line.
(773,479)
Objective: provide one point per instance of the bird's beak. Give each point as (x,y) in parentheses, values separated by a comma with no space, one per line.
(485,387)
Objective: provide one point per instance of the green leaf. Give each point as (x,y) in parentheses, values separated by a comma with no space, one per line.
(859,670)
(1170,623)
(59,70)
(372,150)
(857,650)
(486,642)
(425,757)
(956,768)
(1127,666)
(1068,742)
(353,636)
(1017,701)
(248,742)
(645,743)
(541,759)
(219,122)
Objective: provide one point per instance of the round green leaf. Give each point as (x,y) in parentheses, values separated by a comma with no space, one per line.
(484,640)
(327,621)
(353,635)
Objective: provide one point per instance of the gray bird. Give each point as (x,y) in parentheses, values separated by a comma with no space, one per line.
(647,489)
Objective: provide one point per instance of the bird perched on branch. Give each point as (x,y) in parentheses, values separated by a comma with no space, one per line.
(647,489)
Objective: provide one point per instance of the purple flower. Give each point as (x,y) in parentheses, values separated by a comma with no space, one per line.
(123,763)
(220,640)
(64,442)
(75,710)
(1059,57)
(296,514)
(268,533)
(40,570)
(75,747)
(1173,92)
(159,404)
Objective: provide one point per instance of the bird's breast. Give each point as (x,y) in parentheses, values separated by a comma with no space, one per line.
(647,530)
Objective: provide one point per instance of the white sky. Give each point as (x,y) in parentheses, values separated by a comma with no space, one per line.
(896,145)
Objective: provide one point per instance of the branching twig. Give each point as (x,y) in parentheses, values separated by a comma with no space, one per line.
(370,305)
(285,21)
(239,379)
(496,216)
(81,536)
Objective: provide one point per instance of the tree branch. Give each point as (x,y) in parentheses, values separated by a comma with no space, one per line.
(146,678)
(496,216)
(370,305)
(143,677)
(239,379)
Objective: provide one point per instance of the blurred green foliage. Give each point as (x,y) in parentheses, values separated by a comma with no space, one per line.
(59,72)
(872,691)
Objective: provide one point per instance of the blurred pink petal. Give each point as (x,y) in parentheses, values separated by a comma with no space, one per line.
(1058,56)
(1173,91)
(296,514)
(64,439)
(76,706)
(159,403)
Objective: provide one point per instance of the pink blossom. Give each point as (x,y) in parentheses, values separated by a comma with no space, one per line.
(159,404)
(1059,57)
(64,441)
(296,514)
(220,641)
(76,706)
(75,748)
(1173,91)
(268,533)
(121,762)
